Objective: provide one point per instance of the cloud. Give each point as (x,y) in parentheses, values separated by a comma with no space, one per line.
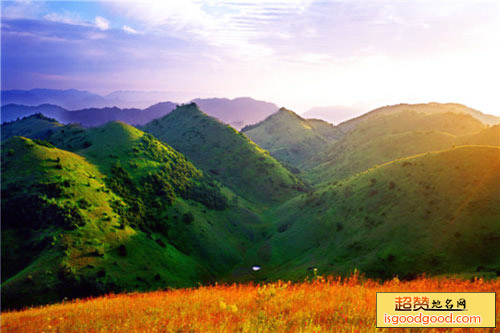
(21,8)
(101,23)
(66,17)
(129,30)
(233,26)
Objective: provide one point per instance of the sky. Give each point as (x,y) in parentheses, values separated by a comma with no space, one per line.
(296,53)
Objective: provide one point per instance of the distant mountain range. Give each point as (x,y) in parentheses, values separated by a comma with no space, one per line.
(237,112)
(73,99)
(58,104)
(88,117)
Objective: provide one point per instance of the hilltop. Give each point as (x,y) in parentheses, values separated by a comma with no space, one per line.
(229,156)
(291,138)
(387,137)
(429,108)
(121,211)
(36,126)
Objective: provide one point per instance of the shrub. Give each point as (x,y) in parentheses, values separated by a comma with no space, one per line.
(122,250)
(43,143)
(188,218)
(83,203)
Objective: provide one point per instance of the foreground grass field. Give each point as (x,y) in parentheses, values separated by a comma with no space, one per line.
(323,305)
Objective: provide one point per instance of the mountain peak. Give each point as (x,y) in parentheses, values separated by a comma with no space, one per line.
(289,137)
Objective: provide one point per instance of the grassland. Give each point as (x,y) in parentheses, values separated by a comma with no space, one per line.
(320,305)
(386,137)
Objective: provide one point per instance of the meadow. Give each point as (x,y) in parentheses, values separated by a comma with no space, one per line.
(330,304)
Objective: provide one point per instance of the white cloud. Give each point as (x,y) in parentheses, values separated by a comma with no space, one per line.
(101,23)
(129,30)
(21,8)
(66,17)
(235,26)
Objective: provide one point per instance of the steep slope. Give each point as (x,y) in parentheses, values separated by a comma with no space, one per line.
(435,213)
(228,155)
(290,138)
(125,212)
(36,126)
(62,235)
(384,138)
(151,176)
(237,112)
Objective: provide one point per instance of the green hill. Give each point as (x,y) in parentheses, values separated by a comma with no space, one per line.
(62,236)
(113,208)
(36,126)
(290,138)
(429,109)
(384,138)
(436,213)
(122,212)
(229,156)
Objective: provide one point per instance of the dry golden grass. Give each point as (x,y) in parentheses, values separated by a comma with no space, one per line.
(323,305)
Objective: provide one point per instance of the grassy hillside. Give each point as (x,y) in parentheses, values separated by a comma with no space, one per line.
(435,213)
(290,138)
(62,236)
(151,176)
(383,138)
(125,212)
(227,155)
(114,208)
(489,136)
(36,126)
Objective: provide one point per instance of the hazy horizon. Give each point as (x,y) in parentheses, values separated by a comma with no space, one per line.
(297,54)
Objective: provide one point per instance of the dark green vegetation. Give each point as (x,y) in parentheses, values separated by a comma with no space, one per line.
(113,208)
